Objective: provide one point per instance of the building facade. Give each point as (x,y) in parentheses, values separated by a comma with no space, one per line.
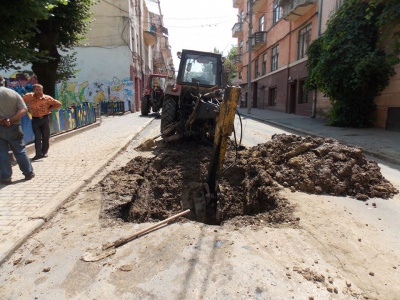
(273,36)
(126,42)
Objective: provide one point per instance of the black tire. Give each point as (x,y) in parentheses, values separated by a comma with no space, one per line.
(145,106)
(159,103)
(168,112)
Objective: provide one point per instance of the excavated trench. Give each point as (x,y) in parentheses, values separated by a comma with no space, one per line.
(153,189)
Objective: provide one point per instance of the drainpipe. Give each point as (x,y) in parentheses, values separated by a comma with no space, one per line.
(288,71)
(250,42)
(314,104)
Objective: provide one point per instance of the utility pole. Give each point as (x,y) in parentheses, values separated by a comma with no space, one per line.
(250,43)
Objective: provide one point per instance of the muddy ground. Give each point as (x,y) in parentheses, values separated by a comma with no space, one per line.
(152,189)
(342,248)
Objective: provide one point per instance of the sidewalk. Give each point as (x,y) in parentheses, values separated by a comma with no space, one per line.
(377,142)
(73,160)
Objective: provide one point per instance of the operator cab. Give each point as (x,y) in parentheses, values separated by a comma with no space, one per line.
(200,68)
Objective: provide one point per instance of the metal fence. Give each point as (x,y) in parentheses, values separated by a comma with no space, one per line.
(63,120)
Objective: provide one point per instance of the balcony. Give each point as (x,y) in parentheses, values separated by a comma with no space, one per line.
(237,60)
(150,36)
(257,4)
(259,40)
(294,9)
(237,3)
(237,30)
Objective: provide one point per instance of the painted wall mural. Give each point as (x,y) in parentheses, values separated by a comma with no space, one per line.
(78,99)
(75,93)
(22,81)
(62,120)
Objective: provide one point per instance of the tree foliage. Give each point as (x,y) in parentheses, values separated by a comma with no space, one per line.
(348,65)
(17,26)
(230,62)
(64,29)
(389,26)
(41,32)
(229,67)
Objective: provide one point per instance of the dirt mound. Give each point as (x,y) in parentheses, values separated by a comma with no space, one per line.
(151,189)
(321,166)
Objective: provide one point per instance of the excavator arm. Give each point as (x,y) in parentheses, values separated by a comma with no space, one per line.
(223,130)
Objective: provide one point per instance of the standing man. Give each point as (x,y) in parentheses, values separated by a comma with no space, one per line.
(12,109)
(40,107)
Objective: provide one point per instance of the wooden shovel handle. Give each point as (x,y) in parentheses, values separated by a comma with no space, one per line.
(125,240)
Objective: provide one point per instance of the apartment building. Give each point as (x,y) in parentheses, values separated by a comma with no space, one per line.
(281,31)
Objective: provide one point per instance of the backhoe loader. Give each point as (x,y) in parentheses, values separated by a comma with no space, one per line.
(198,106)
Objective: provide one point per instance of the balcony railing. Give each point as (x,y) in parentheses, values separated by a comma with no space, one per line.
(237,3)
(237,59)
(294,9)
(259,39)
(237,30)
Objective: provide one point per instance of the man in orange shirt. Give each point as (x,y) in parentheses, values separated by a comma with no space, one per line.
(40,107)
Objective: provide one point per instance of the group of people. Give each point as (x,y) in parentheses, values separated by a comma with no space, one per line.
(12,108)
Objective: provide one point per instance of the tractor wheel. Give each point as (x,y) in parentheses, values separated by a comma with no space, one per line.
(168,112)
(145,106)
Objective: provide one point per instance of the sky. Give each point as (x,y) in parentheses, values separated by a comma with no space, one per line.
(199,25)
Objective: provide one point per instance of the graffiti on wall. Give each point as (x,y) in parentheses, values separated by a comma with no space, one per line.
(75,93)
(22,81)
(62,120)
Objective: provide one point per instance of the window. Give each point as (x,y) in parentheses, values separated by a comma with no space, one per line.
(276,14)
(240,75)
(261,23)
(303,92)
(256,74)
(304,41)
(274,58)
(240,52)
(272,96)
(339,3)
(264,64)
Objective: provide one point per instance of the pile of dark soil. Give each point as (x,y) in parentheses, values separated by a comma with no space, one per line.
(321,166)
(152,189)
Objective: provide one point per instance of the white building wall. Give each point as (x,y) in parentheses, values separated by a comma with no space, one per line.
(99,63)
(104,76)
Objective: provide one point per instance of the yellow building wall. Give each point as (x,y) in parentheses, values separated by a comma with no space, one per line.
(111,24)
(390,97)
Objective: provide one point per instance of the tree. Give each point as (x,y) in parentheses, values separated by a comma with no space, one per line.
(388,22)
(64,29)
(230,63)
(229,66)
(347,64)
(18,25)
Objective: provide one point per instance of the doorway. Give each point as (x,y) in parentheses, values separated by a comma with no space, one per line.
(292,98)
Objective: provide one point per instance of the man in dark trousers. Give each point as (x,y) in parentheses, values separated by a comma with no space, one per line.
(40,107)
(12,109)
